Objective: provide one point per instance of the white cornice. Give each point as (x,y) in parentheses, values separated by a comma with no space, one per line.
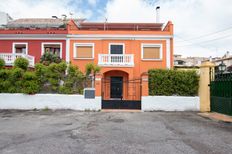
(118,37)
(82,37)
(33,36)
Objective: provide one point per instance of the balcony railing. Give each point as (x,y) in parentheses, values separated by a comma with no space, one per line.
(116,60)
(9,58)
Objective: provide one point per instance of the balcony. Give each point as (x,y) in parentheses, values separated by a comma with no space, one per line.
(116,60)
(9,58)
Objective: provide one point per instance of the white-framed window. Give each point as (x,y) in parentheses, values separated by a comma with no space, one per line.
(151,51)
(20,47)
(116,48)
(52,47)
(83,50)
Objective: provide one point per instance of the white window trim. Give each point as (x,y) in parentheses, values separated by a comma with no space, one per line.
(152,45)
(123,47)
(47,43)
(82,44)
(15,43)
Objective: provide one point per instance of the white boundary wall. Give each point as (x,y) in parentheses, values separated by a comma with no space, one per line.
(170,103)
(51,101)
(78,102)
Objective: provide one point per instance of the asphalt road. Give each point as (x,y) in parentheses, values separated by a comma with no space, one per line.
(70,132)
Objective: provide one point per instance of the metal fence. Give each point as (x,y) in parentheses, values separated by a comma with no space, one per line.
(221,92)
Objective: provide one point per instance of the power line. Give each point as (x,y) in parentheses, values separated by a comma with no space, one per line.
(186,40)
(207,41)
(209,34)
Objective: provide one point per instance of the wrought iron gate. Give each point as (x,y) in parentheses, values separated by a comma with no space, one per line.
(221,92)
(130,97)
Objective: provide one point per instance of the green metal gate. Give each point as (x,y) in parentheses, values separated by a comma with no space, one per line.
(221,93)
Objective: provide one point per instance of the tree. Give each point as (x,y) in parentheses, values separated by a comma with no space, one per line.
(91,70)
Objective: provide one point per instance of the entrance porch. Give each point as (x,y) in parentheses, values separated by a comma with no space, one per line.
(120,92)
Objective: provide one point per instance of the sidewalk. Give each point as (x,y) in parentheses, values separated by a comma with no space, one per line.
(216,116)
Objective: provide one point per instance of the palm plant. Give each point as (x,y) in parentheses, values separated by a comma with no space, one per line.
(90,72)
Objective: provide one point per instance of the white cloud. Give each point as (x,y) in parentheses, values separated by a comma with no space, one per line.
(92,2)
(191,18)
(43,8)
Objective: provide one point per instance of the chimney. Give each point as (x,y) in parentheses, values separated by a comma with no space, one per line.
(54,17)
(210,59)
(227,54)
(64,16)
(158,14)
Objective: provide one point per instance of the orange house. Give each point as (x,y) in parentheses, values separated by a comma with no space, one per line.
(125,52)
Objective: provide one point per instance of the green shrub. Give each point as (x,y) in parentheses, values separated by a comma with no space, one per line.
(55,74)
(4,80)
(91,68)
(11,80)
(173,82)
(40,71)
(48,58)
(15,78)
(4,74)
(49,79)
(62,66)
(65,90)
(73,82)
(2,63)
(30,83)
(16,74)
(50,76)
(21,63)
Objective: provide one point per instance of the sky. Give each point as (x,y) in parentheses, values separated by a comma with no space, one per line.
(201,27)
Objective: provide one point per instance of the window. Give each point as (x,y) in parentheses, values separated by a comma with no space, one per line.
(84,51)
(116,48)
(54,48)
(20,48)
(151,51)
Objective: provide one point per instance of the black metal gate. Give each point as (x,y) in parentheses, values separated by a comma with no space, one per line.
(116,97)
(221,92)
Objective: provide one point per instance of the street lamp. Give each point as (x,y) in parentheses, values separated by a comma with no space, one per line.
(222,67)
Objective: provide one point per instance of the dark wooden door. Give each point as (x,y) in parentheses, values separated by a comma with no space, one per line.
(116,85)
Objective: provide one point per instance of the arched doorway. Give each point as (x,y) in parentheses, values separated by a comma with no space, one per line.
(120,92)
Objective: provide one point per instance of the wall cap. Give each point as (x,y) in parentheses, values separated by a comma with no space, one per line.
(207,64)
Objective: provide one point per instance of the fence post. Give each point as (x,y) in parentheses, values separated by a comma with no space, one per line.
(98,84)
(204,89)
(145,89)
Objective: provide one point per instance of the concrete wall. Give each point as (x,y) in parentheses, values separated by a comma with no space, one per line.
(170,103)
(77,102)
(52,101)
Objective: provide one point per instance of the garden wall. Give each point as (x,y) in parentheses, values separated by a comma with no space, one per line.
(51,101)
(78,102)
(170,103)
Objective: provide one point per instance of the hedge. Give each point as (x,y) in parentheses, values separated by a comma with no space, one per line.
(43,79)
(173,82)
(2,63)
(16,80)
(52,78)
(21,63)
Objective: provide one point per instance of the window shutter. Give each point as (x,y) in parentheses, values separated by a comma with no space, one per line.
(84,51)
(151,52)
